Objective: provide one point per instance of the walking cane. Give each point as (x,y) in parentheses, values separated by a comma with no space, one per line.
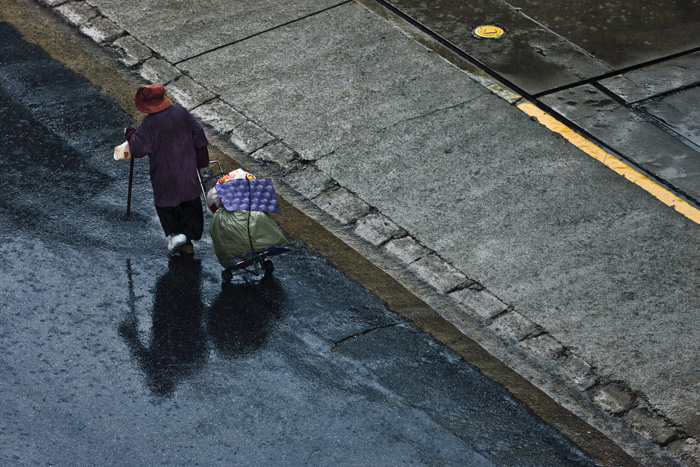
(128,197)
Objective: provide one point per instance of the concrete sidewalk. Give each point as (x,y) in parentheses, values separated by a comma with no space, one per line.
(574,277)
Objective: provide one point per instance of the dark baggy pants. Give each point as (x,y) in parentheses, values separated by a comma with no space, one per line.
(187,218)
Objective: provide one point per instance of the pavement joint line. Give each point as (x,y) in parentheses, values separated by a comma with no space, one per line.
(263,32)
(663,126)
(614,73)
(612,162)
(635,108)
(664,94)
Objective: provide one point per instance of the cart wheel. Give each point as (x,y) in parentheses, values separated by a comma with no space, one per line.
(268,267)
(226,275)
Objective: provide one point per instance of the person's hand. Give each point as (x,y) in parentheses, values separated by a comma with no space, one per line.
(128,132)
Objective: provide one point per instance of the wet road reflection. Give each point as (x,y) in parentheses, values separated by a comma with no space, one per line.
(243,315)
(237,323)
(177,348)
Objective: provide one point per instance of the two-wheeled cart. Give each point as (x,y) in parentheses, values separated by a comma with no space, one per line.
(243,233)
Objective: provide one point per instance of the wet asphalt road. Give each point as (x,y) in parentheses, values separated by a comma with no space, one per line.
(115,354)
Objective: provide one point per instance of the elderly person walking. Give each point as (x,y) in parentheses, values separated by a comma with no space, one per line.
(176,147)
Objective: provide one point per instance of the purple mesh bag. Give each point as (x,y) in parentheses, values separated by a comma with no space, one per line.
(249,195)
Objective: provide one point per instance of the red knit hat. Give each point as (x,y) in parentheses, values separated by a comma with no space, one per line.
(151,99)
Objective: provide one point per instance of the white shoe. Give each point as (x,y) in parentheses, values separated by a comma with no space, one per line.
(175,242)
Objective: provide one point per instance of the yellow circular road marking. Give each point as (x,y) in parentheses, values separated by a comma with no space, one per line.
(489,32)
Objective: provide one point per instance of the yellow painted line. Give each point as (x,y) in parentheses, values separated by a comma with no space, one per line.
(612,162)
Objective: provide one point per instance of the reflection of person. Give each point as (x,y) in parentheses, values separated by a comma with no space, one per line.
(243,315)
(176,146)
(178,345)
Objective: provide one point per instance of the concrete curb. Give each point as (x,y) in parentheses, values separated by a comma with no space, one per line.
(353,214)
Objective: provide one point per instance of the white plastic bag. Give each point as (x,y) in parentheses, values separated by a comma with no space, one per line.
(213,200)
(122,152)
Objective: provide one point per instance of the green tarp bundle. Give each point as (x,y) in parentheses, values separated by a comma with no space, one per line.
(229,233)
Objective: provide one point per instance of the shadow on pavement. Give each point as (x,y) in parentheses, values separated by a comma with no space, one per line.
(177,348)
(238,323)
(243,315)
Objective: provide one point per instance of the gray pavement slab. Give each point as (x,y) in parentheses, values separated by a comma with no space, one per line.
(180,30)
(325,80)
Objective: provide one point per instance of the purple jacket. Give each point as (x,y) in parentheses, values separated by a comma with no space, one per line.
(170,138)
